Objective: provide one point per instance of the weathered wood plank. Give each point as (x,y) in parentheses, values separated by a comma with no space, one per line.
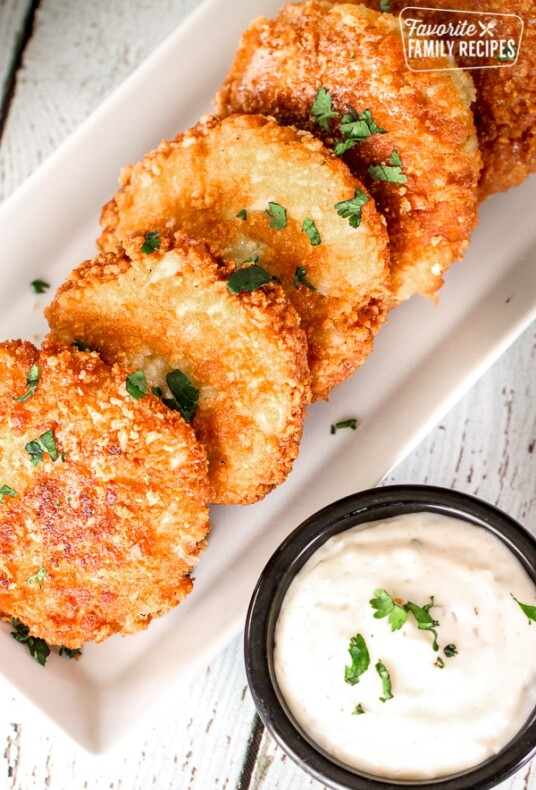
(78,53)
(13,33)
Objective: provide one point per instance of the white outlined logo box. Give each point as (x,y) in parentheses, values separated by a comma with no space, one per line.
(467,39)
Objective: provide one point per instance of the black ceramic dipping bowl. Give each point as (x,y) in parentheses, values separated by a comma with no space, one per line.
(293,553)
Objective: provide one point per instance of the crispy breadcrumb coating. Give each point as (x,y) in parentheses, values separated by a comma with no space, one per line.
(357,55)
(217,182)
(245,353)
(103,537)
(505,106)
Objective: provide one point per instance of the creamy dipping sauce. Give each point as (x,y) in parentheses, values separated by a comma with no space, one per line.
(439,720)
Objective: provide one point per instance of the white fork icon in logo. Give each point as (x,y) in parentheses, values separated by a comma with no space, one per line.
(487,28)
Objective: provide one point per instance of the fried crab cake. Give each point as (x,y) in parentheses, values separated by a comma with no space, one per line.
(265,193)
(505,107)
(346,63)
(103,505)
(235,361)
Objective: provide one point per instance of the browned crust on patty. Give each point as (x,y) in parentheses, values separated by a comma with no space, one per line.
(357,55)
(104,538)
(202,179)
(245,353)
(505,105)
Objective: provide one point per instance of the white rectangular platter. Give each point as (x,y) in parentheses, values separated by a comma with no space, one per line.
(424,360)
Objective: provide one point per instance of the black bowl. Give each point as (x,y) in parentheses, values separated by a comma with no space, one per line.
(293,553)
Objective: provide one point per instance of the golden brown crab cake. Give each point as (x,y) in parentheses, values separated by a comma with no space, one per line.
(256,190)
(104,498)
(244,354)
(429,147)
(505,106)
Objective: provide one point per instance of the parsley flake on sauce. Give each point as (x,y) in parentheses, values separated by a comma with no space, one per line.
(358,710)
(383,672)
(39,286)
(322,108)
(247,279)
(7,491)
(242,214)
(385,6)
(390,172)
(352,423)
(450,650)
(386,606)
(300,278)
(277,214)
(351,209)
(425,621)
(46,443)
(152,242)
(185,395)
(529,611)
(136,384)
(38,648)
(310,228)
(32,380)
(38,578)
(355,128)
(360,660)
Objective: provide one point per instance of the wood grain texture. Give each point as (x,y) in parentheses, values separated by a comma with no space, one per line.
(486,446)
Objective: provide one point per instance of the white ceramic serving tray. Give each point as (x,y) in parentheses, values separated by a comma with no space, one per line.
(424,360)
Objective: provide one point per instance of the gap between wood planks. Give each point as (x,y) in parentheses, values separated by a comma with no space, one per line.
(252,751)
(23,37)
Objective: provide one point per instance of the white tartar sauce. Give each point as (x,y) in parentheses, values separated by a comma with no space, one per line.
(440,720)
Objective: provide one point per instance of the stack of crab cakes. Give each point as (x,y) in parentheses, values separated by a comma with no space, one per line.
(245,268)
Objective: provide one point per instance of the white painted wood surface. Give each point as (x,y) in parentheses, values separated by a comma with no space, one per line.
(76,54)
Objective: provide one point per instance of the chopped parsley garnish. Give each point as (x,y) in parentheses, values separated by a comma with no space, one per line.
(185,395)
(310,228)
(439,663)
(45,444)
(391,172)
(39,286)
(152,242)
(383,672)
(356,128)
(38,648)
(242,214)
(6,491)
(277,214)
(508,54)
(450,650)
(358,710)
(81,346)
(351,209)
(136,384)
(360,660)
(385,6)
(73,652)
(300,278)
(529,611)
(386,606)
(38,578)
(32,380)
(247,279)
(352,423)
(425,621)
(322,108)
